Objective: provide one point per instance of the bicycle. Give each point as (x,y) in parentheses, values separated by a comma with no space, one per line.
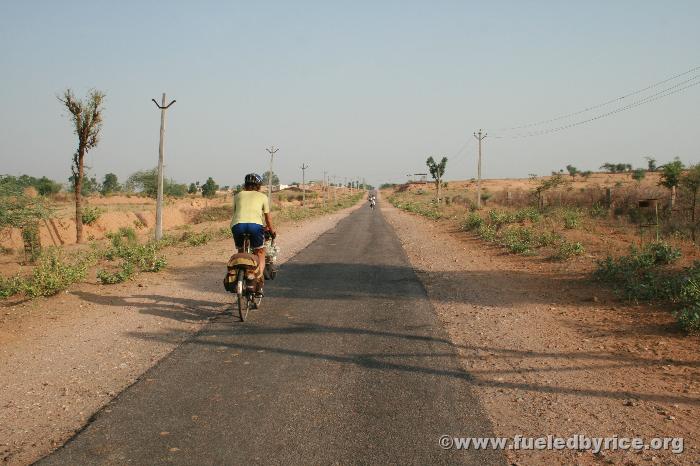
(242,280)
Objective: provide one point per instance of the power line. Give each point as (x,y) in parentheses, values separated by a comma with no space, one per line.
(652,98)
(597,106)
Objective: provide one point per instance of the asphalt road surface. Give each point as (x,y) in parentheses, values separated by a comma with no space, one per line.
(346,363)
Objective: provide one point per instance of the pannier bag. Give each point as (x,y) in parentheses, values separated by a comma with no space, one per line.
(236,262)
(242,259)
(230,281)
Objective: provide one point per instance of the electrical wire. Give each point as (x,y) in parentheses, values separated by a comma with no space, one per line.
(652,98)
(603,104)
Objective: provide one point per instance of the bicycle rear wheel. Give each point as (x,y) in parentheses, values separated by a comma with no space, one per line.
(243,303)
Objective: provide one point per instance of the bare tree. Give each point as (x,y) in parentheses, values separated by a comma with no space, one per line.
(86,116)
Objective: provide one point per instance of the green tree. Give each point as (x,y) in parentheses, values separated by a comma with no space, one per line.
(86,117)
(671,177)
(209,188)
(573,171)
(46,186)
(145,181)
(651,164)
(192,189)
(437,170)
(90,185)
(266,178)
(638,174)
(110,184)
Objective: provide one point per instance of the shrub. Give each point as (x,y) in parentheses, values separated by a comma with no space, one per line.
(641,275)
(662,252)
(689,318)
(91,214)
(10,286)
(487,233)
(213,214)
(598,211)
(519,240)
(125,272)
(549,238)
(567,250)
(571,219)
(498,218)
(472,222)
(195,239)
(529,213)
(53,274)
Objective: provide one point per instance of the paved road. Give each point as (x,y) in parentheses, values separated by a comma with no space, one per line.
(345,363)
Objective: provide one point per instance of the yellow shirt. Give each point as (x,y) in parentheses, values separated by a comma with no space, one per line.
(249,207)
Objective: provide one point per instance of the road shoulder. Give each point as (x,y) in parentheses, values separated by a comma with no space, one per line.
(553,354)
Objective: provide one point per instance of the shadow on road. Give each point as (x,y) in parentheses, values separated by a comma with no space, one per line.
(169,307)
(243,338)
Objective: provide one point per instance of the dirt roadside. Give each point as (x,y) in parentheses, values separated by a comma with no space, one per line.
(552,353)
(65,357)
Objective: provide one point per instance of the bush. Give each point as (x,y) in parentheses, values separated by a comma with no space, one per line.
(689,318)
(487,233)
(598,211)
(519,240)
(662,252)
(125,272)
(549,238)
(642,275)
(213,214)
(10,286)
(529,213)
(567,250)
(53,274)
(472,222)
(498,218)
(195,239)
(571,219)
(91,214)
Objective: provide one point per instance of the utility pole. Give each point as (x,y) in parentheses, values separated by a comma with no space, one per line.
(335,188)
(159,196)
(272,150)
(324,188)
(303,183)
(480,136)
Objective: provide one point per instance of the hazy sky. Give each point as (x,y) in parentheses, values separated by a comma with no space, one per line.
(358,88)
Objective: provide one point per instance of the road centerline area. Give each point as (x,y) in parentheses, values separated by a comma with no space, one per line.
(346,362)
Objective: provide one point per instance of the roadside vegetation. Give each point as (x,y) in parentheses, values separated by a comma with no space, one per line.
(566,217)
(122,255)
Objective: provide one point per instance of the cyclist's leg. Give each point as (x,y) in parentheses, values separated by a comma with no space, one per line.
(238,231)
(257,242)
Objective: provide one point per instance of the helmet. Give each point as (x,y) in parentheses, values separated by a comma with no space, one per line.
(253,178)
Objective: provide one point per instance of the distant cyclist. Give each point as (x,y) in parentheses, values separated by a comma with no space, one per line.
(251,215)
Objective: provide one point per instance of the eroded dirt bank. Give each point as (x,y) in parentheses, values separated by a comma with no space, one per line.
(64,357)
(553,353)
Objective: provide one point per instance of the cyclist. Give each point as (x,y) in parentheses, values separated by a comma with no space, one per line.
(251,216)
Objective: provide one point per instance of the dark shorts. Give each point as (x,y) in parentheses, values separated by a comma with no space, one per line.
(256,232)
